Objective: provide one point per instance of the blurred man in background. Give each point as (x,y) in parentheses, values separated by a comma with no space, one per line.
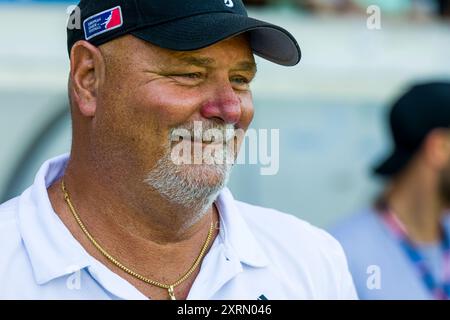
(400,248)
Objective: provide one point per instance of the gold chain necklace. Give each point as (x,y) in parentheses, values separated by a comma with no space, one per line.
(168,287)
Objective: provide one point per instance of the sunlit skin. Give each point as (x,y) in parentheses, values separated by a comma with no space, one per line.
(126,95)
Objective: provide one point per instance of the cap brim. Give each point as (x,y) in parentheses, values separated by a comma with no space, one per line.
(268,41)
(394,164)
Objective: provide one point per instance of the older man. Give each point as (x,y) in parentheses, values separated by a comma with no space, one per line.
(120,218)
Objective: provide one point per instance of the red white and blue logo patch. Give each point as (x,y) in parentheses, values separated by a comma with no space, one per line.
(102,22)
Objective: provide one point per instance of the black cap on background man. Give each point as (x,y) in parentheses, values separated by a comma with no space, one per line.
(423,108)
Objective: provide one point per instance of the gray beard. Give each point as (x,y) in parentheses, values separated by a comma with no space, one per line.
(188,185)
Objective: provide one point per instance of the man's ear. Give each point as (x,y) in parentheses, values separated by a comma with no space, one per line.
(87,71)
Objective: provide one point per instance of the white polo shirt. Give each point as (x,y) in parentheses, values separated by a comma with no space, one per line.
(259,253)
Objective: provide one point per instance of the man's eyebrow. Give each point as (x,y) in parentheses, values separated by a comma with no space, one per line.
(246,66)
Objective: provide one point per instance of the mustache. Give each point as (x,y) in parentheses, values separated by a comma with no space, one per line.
(204,130)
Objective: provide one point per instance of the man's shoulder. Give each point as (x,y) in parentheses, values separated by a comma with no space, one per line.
(301,250)
(359,226)
(8,212)
(9,223)
(10,236)
(364,239)
(294,235)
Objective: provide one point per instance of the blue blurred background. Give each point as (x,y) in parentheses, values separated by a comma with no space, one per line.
(330,109)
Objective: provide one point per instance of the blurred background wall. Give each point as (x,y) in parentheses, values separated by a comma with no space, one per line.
(330,109)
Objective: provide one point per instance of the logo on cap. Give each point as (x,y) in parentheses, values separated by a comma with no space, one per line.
(102,22)
(229,3)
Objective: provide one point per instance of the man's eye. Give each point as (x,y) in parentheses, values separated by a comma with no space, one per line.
(188,79)
(241,83)
(190,75)
(240,80)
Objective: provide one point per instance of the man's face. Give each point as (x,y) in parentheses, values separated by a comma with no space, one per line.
(149,91)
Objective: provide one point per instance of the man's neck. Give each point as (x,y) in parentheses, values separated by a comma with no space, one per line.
(137,209)
(420,211)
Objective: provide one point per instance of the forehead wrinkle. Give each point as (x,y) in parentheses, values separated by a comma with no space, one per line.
(188,58)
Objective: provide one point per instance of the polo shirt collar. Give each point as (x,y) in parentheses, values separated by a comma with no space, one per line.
(236,234)
(51,248)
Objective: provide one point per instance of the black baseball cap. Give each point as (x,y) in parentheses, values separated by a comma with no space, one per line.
(181,25)
(423,108)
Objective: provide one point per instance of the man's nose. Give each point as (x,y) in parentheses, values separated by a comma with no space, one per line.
(225,104)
